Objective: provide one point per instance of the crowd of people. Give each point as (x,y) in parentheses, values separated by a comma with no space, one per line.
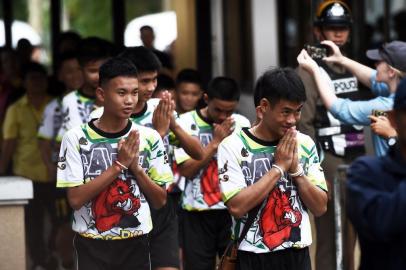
(144,170)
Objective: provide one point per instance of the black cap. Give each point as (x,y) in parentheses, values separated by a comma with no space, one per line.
(393,53)
(333,13)
(400,96)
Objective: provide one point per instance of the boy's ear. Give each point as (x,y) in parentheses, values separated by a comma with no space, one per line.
(264,104)
(100,94)
(206,98)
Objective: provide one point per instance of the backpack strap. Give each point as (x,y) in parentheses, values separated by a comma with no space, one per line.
(250,220)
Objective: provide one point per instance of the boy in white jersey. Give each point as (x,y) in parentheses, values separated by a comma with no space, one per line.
(70,76)
(276,168)
(77,105)
(159,114)
(114,170)
(205,230)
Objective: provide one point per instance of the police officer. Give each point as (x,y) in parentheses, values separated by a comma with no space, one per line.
(340,143)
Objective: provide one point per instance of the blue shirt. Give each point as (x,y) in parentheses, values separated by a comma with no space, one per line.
(357,112)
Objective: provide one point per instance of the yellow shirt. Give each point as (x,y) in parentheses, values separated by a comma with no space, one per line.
(21,123)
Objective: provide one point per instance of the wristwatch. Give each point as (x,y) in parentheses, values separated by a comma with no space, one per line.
(392,141)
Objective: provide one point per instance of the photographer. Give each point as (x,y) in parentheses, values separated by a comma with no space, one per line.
(376,198)
(390,68)
(333,22)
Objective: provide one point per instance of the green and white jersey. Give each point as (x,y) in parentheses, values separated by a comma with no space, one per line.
(282,221)
(144,117)
(52,118)
(76,108)
(121,210)
(202,192)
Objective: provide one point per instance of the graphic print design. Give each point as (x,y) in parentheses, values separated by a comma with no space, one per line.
(278,219)
(209,184)
(116,206)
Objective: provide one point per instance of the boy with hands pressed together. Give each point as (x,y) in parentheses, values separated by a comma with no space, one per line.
(273,172)
(114,170)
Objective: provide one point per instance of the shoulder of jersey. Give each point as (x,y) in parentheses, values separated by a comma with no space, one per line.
(232,139)
(145,131)
(52,104)
(241,119)
(97,113)
(153,102)
(71,95)
(186,115)
(301,137)
(73,132)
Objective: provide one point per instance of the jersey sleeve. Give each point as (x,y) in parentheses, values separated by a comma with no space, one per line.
(10,125)
(46,129)
(243,122)
(70,167)
(231,178)
(65,121)
(159,169)
(312,168)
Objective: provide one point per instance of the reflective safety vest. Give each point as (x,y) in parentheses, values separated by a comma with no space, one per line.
(333,135)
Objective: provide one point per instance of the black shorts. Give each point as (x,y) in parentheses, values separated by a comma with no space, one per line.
(205,235)
(287,259)
(164,244)
(95,254)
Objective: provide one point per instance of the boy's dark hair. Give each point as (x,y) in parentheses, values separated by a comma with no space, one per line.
(144,59)
(93,49)
(164,83)
(223,88)
(65,57)
(34,67)
(189,75)
(116,67)
(279,83)
(146,27)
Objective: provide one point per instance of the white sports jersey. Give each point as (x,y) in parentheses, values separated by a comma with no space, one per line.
(76,109)
(282,221)
(121,210)
(203,191)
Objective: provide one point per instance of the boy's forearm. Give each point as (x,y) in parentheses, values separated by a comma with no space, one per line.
(80,195)
(155,194)
(251,196)
(312,196)
(190,144)
(46,152)
(7,150)
(191,167)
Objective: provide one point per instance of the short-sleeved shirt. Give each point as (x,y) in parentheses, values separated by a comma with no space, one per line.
(52,119)
(282,221)
(202,192)
(21,123)
(121,210)
(76,109)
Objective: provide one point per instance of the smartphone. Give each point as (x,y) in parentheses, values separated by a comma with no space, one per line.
(317,51)
(378,113)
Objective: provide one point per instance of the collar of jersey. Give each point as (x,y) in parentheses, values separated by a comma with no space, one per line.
(83,97)
(95,135)
(200,120)
(254,144)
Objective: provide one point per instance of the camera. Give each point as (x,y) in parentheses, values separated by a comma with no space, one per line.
(318,51)
(378,113)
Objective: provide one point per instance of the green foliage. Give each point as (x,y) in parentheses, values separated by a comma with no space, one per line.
(90,18)
(137,8)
